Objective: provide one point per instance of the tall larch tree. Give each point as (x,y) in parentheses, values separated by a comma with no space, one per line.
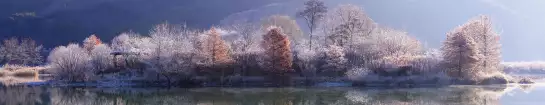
(461,55)
(314,12)
(278,56)
(480,28)
(216,48)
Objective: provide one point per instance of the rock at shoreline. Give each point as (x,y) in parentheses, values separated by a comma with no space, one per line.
(495,80)
(526,81)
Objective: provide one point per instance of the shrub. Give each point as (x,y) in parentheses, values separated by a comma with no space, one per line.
(70,63)
(358,74)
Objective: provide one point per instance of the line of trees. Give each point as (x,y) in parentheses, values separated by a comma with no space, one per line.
(21,52)
(342,42)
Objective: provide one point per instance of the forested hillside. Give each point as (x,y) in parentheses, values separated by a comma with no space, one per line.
(56,22)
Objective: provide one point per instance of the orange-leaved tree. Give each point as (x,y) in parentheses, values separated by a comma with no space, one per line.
(217,50)
(90,42)
(278,56)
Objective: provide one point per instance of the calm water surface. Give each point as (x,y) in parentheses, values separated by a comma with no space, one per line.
(453,95)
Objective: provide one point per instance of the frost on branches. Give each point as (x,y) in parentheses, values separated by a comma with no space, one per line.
(90,42)
(101,58)
(488,42)
(461,55)
(214,49)
(335,60)
(170,51)
(70,63)
(22,52)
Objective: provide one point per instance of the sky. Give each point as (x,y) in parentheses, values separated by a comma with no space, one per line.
(521,23)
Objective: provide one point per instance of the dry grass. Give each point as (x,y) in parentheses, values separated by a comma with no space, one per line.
(25,73)
(20,71)
(3,73)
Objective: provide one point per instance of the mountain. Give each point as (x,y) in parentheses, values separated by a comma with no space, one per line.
(520,23)
(58,22)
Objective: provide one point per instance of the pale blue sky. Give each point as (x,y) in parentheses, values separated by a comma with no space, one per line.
(521,23)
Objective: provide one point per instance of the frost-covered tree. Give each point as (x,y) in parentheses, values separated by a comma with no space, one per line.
(314,12)
(71,63)
(345,24)
(171,55)
(216,54)
(396,47)
(335,60)
(101,58)
(288,25)
(278,56)
(31,52)
(90,42)
(358,74)
(131,42)
(461,55)
(245,48)
(427,63)
(306,60)
(215,49)
(247,38)
(12,51)
(121,42)
(480,28)
(24,52)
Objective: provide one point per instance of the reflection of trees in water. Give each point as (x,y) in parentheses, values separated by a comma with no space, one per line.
(78,96)
(23,96)
(429,96)
(527,88)
(254,96)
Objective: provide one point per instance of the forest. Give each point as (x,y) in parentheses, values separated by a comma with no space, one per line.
(342,44)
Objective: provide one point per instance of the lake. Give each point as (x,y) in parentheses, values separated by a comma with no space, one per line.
(451,95)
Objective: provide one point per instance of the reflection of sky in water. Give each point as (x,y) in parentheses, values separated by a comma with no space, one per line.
(533,95)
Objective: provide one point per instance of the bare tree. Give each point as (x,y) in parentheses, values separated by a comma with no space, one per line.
(70,63)
(101,58)
(247,36)
(246,46)
(24,52)
(313,13)
(172,52)
(345,24)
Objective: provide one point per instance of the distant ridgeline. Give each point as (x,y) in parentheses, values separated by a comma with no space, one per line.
(343,45)
(57,22)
